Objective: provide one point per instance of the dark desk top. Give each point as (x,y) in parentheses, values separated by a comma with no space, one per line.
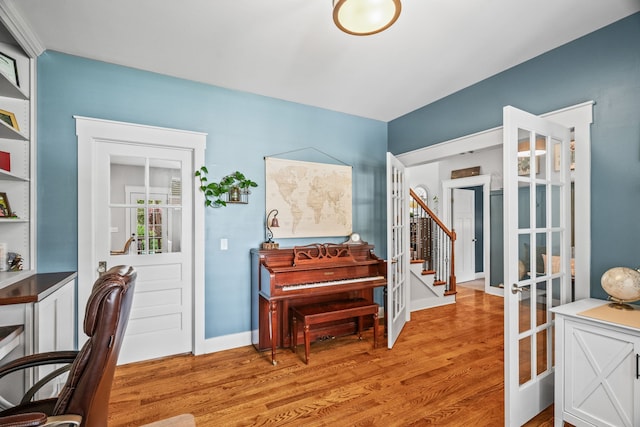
(34,288)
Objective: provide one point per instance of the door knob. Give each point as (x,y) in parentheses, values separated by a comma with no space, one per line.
(515,288)
(102,267)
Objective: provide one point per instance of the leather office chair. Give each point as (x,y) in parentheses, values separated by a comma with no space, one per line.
(85,394)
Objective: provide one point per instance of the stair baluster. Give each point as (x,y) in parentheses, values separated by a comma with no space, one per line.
(433,243)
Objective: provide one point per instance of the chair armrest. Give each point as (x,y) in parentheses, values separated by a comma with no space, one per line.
(63,420)
(37,419)
(31,419)
(40,359)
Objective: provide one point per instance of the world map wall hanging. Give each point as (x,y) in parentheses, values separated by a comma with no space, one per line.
(312,199)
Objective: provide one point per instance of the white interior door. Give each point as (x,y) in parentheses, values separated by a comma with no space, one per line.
(138,180)
(397,310)
(464,224)
(537,252)
(161,318)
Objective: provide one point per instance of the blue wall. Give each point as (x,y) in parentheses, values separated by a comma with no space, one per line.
(603,66)
(242,129)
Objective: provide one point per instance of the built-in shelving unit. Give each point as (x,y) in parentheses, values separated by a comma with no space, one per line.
(17,183)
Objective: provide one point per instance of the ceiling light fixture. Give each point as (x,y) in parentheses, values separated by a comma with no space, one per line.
(365,17)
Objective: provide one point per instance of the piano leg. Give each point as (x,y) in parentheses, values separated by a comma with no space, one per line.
(273,329)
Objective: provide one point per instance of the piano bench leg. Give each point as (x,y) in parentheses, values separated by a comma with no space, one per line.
(294,334)
(307,343)
(375,330)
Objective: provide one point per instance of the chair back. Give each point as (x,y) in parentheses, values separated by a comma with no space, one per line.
(88,385)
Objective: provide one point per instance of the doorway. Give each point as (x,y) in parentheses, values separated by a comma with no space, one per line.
(137,189)
(483,181)
(529,381)
(579,117)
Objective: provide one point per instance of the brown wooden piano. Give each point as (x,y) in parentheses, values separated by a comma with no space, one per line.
(283,278)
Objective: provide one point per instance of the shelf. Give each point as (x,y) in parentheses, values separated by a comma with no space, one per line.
(7,132)
(9,338)
(8,176)
(13,220)
(18,232)
(10,90)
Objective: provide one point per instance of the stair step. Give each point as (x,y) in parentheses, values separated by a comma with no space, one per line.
(439,283)
(417,261)
(447,293)
(425,272)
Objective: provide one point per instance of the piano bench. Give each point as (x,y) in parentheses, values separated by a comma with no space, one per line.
(314,314)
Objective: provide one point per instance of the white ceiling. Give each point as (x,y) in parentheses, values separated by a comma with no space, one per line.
(291,50)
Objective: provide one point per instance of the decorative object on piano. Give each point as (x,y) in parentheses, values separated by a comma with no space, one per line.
(14,261)
(354,239)
(9,68)
(623,286)
(5,161)
(233,188)
(314,199)
(270,244)
(5,208)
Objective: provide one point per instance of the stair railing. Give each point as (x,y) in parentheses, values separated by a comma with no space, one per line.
(433,243)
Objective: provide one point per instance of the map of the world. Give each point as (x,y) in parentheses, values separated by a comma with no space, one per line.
(312,199)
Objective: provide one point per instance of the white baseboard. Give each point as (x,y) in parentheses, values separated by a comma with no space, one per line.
(422,304)
(227,342)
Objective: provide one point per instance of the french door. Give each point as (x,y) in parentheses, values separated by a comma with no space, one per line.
(537,232)
(397,310)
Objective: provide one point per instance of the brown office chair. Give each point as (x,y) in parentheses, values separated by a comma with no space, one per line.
(88,386)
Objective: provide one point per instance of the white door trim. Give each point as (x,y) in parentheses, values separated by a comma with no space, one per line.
(91,130)
(579,117)
(474,181)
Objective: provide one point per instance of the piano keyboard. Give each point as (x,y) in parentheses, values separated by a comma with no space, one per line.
(332,283)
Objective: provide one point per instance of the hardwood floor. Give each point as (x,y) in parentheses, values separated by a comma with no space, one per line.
(446,369)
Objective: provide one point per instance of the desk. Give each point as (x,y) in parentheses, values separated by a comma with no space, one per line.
(34,288)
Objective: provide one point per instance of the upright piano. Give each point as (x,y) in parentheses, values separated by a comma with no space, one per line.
(284,278)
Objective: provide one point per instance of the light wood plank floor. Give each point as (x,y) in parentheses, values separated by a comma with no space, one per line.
(446,369)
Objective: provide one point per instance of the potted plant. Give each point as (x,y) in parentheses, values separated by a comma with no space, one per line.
(232,188)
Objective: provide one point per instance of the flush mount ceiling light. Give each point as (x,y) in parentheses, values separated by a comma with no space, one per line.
(365,17)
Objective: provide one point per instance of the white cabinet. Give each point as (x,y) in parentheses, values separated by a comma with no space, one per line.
(44,306)
(54,321)
(54,330)
(597,369)
(16,139)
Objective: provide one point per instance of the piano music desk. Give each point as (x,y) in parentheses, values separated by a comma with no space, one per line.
(314,314)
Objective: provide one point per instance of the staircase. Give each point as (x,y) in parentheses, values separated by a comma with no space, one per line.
(433,280)
(425,291)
